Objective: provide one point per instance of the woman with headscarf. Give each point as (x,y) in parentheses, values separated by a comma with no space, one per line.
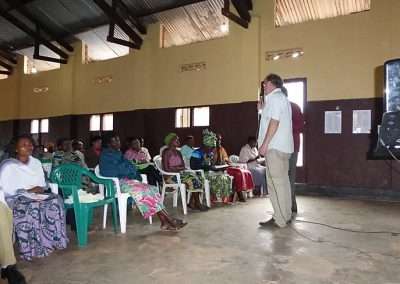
(173,162)
(147,197)
(242,179)
(203,158)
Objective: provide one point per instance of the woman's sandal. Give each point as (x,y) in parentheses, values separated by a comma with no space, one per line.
(169,228)
(179,223)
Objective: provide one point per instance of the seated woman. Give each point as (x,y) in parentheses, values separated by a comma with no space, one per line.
(92,154)
(172,162)
(249,155)
(202,158)
(39,220)
(147,198)
(66,154)
(142,159)
(242,179)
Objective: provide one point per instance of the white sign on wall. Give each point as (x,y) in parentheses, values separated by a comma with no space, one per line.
(362,121)
(333,122)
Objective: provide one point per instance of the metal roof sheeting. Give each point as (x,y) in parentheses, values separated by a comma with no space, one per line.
(82,19)
(192,23)
(289,12)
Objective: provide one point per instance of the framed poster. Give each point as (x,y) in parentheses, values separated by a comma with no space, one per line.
(362,121)
(333,122)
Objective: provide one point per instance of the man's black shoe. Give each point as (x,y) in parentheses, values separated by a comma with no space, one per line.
(12,275)
(269,223)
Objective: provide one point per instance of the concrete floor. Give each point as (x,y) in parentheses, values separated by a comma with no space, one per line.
(225,245)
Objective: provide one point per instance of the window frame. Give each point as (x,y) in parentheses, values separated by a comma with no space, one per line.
(101,124)
(191,115)
(39,126)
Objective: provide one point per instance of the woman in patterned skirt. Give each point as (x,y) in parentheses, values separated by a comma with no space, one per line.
(172,161)
(203,158)
(39,220)
(146,197)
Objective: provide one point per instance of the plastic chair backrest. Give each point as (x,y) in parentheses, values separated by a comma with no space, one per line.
(234,158)
(68,175)
(158,162)
(162,150)
(115,180)
(235,162)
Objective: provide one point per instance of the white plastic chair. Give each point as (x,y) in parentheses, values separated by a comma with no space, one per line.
(177,187)
(122,201)
(47,169)
(206,183)
(235,162)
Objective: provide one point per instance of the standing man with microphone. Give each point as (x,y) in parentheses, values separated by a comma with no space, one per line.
(275,140)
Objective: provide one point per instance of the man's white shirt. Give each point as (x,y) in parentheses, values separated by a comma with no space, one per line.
(277,107)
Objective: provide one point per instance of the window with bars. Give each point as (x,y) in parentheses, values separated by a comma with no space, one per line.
(192,117)
(182,118)
(104,122)
(39,126)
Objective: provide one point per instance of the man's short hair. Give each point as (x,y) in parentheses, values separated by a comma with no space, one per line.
(93,139)
(284,90)
(188,138)
(275,80)
(251,139)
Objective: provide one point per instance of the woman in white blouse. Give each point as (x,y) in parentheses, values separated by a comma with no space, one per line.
(22,180)
(249,155)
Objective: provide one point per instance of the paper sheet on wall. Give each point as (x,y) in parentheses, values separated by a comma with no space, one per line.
(333,122)
(362,121)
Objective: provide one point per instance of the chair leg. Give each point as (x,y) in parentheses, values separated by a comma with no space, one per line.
(207,193)
(101,189)
(250,194)
(183,197)
(105,216)
(90,217)
(175,201)
(81,218)
(162,194)
(114,215)
(189,194)
(122,208)
(235,197)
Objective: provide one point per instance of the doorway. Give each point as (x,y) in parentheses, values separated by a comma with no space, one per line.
(297,93)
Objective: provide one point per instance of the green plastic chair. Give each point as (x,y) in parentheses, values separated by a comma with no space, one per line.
(68,177)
